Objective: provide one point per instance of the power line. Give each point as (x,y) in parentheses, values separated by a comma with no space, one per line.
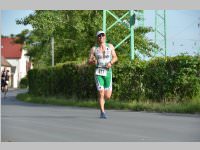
(190,15)
(173,39)
(177,34)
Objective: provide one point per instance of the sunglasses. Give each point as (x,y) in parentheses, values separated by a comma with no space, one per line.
(100,35)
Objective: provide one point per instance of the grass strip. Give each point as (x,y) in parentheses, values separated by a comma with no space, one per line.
(189,107)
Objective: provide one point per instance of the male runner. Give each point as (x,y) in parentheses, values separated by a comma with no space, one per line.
(104,56)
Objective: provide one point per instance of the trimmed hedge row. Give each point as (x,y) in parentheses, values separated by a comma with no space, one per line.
(173,78)
(161,79)
(23,82)
(68,80)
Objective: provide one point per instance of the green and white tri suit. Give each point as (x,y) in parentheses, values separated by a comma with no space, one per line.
(103,76)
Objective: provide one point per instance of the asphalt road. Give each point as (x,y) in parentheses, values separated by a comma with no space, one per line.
(26,122)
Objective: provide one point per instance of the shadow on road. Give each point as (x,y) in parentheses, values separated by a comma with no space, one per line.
(10,98)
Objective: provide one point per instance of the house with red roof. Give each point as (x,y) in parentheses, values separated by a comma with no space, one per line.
(14,54)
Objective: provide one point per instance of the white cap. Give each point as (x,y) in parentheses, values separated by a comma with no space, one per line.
(99,32)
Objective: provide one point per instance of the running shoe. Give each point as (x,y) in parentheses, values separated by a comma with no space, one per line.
(103,115)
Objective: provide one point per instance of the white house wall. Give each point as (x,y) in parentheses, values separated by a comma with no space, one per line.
(15,62)
(22,70)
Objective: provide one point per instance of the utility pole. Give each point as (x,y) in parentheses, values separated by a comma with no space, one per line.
(132,33)
(198,49)
(52,50)
(160,30)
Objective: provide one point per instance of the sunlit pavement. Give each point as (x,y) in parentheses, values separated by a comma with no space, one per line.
(27,122)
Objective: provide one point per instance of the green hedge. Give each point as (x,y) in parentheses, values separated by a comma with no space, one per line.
(23,82)
(173,78)
(67,80)
(161,79)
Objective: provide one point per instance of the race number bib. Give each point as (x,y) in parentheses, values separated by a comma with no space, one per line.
(101,72)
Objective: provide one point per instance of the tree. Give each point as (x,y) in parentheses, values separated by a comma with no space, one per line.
(74,33)
(4,36)
(22,37)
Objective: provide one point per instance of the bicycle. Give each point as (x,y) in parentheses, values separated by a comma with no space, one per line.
(4,89)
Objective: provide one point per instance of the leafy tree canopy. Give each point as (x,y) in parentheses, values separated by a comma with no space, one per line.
(74,32)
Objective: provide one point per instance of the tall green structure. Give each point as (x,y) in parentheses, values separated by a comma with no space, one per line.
(198,50)
(129,25)
(160,31)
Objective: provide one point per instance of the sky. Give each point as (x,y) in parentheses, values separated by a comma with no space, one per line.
(183,32)
(8,21)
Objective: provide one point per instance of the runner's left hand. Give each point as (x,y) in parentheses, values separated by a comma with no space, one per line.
(108,65)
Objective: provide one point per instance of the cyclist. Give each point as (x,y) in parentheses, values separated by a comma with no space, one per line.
(4,81)
(104,56)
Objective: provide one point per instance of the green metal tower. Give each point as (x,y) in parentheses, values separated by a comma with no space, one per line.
(129,24)
(198,51)
(160,31)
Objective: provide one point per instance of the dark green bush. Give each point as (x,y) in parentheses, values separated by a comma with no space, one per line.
(127,81)
(172,78)
(160,79)
(69,80)
(23,82)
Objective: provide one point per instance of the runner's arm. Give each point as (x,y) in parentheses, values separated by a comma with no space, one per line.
(114,55)
(92,59)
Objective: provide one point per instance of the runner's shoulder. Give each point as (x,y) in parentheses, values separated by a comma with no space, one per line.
(93,48)
(110,45)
